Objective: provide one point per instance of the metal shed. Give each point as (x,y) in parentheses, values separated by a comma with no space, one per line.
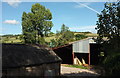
(21,60)
(82,49)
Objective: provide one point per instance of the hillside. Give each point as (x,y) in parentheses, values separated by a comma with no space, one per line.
(17,38)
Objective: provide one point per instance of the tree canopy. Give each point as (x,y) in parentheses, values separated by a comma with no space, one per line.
(62,37)
(36,24)
(64,28)
(108,25)
(108,29)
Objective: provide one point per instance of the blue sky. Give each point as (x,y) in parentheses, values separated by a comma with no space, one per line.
(78,17)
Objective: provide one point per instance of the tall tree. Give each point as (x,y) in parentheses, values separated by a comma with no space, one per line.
(36,24)
(64,28)
(108,26)
(62,37)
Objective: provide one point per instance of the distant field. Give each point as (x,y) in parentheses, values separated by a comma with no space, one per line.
(48,39)
(87,34)
(16,39)
(11,40)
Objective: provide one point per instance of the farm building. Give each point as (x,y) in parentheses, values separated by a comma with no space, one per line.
(21,60)
(85,49)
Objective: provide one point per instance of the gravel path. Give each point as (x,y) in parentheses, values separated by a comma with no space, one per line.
(70,71)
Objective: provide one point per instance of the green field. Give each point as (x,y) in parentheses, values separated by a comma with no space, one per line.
(16,39)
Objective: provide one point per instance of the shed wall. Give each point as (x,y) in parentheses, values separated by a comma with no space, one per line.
(41,71)
(81,46)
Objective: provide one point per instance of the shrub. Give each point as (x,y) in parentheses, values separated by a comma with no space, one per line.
(80,36)
(112,64)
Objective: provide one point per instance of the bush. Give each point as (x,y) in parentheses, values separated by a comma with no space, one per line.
(112,64)
(80,36)
(41,41)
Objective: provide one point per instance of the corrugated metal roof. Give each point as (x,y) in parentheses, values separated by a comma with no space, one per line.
(89,38)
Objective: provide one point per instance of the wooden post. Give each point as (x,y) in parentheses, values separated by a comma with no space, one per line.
(89,58)
(73,56)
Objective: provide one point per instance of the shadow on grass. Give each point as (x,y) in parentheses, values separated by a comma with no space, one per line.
(80,75)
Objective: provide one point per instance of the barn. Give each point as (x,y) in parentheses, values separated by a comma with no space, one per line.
(22,60)
(86,49)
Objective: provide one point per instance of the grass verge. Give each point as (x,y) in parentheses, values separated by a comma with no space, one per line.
(76,66)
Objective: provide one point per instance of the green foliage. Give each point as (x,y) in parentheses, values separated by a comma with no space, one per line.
(108,29)
(8,35)
(62,37)
(80,36)
(64,28)
(68,36)
(41,41)
(30,37)
(53,43)
(108,25)
(50,34)
(112,64)
(36,24)
(84,32)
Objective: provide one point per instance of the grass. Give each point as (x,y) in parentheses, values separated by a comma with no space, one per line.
(48,39)
(11,39)
(92,35)
(76,66)
(87,34)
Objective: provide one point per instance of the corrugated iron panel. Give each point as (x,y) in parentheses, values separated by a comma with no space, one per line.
(81,46)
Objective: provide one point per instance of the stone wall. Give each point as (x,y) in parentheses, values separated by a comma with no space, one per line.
(44,70)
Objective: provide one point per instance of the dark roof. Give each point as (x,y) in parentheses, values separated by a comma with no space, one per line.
(18,55)
(61,46)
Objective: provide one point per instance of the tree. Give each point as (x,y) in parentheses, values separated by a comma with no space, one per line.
(50,34)
(36,24)
(67,36)
(108,26)
(62,37)
(64,28)
(108,29)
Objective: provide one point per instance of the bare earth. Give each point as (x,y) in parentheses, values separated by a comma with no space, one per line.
(70,71)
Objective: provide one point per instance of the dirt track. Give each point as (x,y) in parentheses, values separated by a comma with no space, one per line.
(70,71)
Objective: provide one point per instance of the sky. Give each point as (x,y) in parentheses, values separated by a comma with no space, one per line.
(78,16)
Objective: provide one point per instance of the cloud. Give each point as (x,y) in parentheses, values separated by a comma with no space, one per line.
(90,28)
(85,5)
(11,22)
(81,6)
(13,3)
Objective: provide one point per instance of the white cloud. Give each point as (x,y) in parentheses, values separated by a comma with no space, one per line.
(11,22)
(81,6)
(85,5)
(13,3)
(84,28)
